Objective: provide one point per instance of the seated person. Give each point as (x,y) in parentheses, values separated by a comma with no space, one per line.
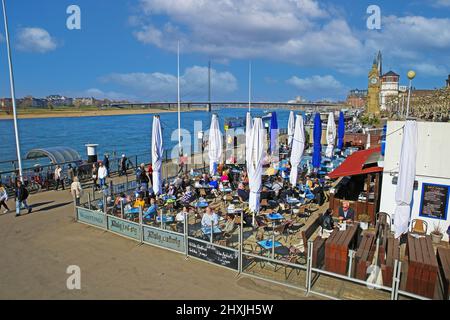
(327,223)
(277,186)
(269,196)
(209,218)
(204,181)
(228,228)
(178,182)
(309,183)
(182,214)
(242,193)
(139,202)
(171,191)
(346,213)
(214,184)
(120,199)
(225,177)
(152,211)
(188,196)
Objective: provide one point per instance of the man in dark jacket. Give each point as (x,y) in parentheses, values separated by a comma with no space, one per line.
(21,198)
(346,213)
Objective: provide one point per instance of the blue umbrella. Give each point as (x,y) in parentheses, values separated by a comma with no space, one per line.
(341,131)
(273,132)
(317,134)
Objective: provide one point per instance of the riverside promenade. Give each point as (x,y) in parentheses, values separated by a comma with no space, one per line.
(36,250)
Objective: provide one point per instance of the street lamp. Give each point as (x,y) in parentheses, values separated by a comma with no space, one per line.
(411,75)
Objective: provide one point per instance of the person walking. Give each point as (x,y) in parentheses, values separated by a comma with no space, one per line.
(106,163)
(102,174)
(58,178)
(70,173)
(21,198)
(94,175)
(3,198)
(123,165)
(76,190)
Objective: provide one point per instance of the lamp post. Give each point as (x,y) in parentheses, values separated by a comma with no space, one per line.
(13,92)
(411,75)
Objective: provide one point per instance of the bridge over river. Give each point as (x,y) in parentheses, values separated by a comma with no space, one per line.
(211,106)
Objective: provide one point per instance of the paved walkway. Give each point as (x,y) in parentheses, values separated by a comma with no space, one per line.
(36,250)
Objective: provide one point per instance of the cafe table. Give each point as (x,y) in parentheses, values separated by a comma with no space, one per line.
(206,231)
(269,244)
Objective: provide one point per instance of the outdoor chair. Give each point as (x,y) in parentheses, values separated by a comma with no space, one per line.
(419,227)
(250,260)
(291,258)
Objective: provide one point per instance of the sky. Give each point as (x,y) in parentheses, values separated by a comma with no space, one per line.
(126,49)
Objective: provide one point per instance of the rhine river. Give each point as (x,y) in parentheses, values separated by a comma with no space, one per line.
(129,134)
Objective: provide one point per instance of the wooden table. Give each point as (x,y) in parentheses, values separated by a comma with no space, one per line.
(337,247)
(392,252)
(443,257)
(364,255)
(422,266)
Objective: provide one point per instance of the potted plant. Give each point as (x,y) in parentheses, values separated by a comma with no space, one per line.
(364,221)
(436,234)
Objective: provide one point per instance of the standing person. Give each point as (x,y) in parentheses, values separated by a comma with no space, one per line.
(143,178)
(3,198)
(76,190)
(94,175)
(123,165)
(70,173)
(58,178)
(106,163)
(21,198)
(102,174)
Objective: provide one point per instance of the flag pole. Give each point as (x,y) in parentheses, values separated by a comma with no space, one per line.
(13,93)
(249,85)
(179,99)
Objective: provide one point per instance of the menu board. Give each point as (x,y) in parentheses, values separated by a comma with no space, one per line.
(218,255)
(434,201)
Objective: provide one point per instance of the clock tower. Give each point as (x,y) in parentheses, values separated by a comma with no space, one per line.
(373,96)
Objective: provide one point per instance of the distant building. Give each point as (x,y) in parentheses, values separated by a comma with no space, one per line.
(389,87)
(59,101)
(39,103)
(374,88)
(298,99)
(357,98)
(84,101)
(448,81)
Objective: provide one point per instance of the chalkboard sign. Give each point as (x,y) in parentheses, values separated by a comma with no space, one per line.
(434,201)
(218,255)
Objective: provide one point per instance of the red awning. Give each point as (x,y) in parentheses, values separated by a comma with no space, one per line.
(357,164)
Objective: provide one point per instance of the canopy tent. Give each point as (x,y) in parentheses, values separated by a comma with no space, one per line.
(298,146)
(256,164)
(361,162)
(291,128)
(317,148)
(331,135)
(157,154)
(215,145)
(406,177)
(341,131)
(57,155)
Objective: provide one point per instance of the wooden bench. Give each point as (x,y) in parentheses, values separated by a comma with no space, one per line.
(443,258)
(309,229)
(364,256)
(422,266)
(387,265)
(337,247)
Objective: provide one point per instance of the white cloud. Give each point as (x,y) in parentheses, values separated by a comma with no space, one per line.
(162,86)
(35,40)
(429,69)
(111,95)
(301,32)
(441,3)
(315,86)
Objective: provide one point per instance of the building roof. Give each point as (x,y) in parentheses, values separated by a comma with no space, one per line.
(361,162)
(57,155)
(391,74)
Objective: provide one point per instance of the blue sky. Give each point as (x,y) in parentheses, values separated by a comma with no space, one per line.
(127,49)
